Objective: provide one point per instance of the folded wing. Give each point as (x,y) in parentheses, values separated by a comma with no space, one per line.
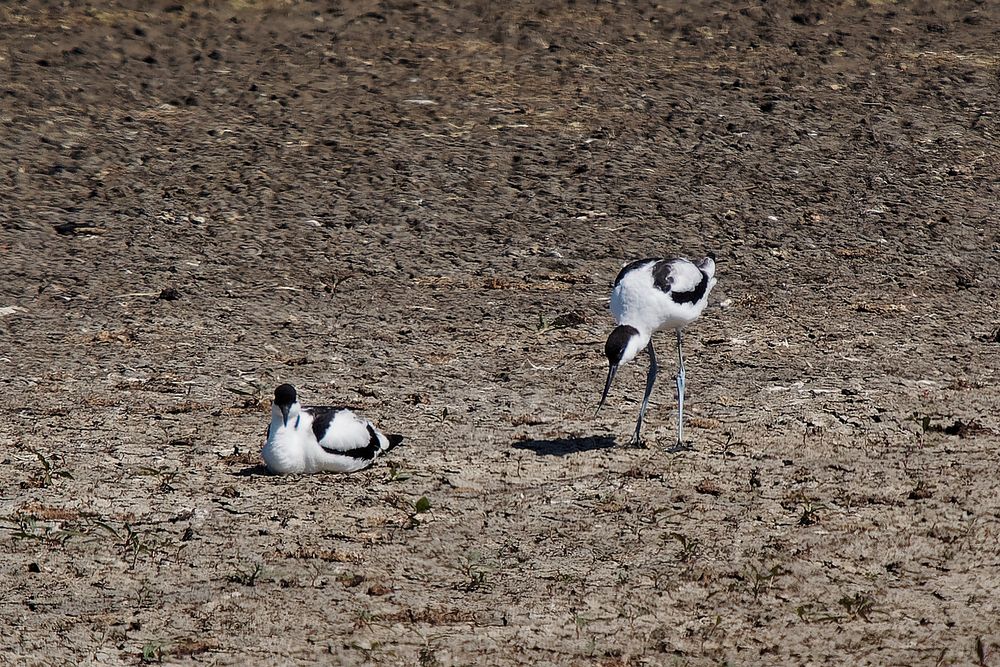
(340,431)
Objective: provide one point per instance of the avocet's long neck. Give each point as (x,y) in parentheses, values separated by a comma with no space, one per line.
(636,343)
(288,448)
(279,419)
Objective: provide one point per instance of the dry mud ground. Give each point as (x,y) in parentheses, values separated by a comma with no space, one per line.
(416,209)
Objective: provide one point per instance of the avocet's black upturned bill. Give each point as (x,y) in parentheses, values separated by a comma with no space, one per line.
(650,295)
(310,439)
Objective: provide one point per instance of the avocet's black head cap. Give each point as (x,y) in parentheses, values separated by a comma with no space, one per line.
(284,395)
(284,398)
(614,350)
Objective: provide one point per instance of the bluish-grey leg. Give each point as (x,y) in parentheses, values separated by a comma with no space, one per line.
(680,390)
(650,380)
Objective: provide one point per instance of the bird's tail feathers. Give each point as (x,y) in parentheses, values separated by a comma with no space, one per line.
(394,440)
(708,265)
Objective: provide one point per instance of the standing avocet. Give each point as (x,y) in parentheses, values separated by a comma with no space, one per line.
(651,295)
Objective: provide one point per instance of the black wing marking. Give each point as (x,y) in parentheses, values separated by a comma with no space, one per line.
(322,417)
(694,295)
(662,278)
(365,453)
(631,266)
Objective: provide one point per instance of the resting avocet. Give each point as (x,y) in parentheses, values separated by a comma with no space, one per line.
(315,438)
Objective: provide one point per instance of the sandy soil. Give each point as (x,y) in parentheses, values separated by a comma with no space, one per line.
(417,209)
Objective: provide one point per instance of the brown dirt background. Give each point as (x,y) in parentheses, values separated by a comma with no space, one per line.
(416,209)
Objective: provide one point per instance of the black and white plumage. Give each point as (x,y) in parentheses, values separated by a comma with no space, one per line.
(651,295)
(310,439)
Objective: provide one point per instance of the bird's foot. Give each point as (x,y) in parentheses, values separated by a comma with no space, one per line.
(680,447)
(636,442)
